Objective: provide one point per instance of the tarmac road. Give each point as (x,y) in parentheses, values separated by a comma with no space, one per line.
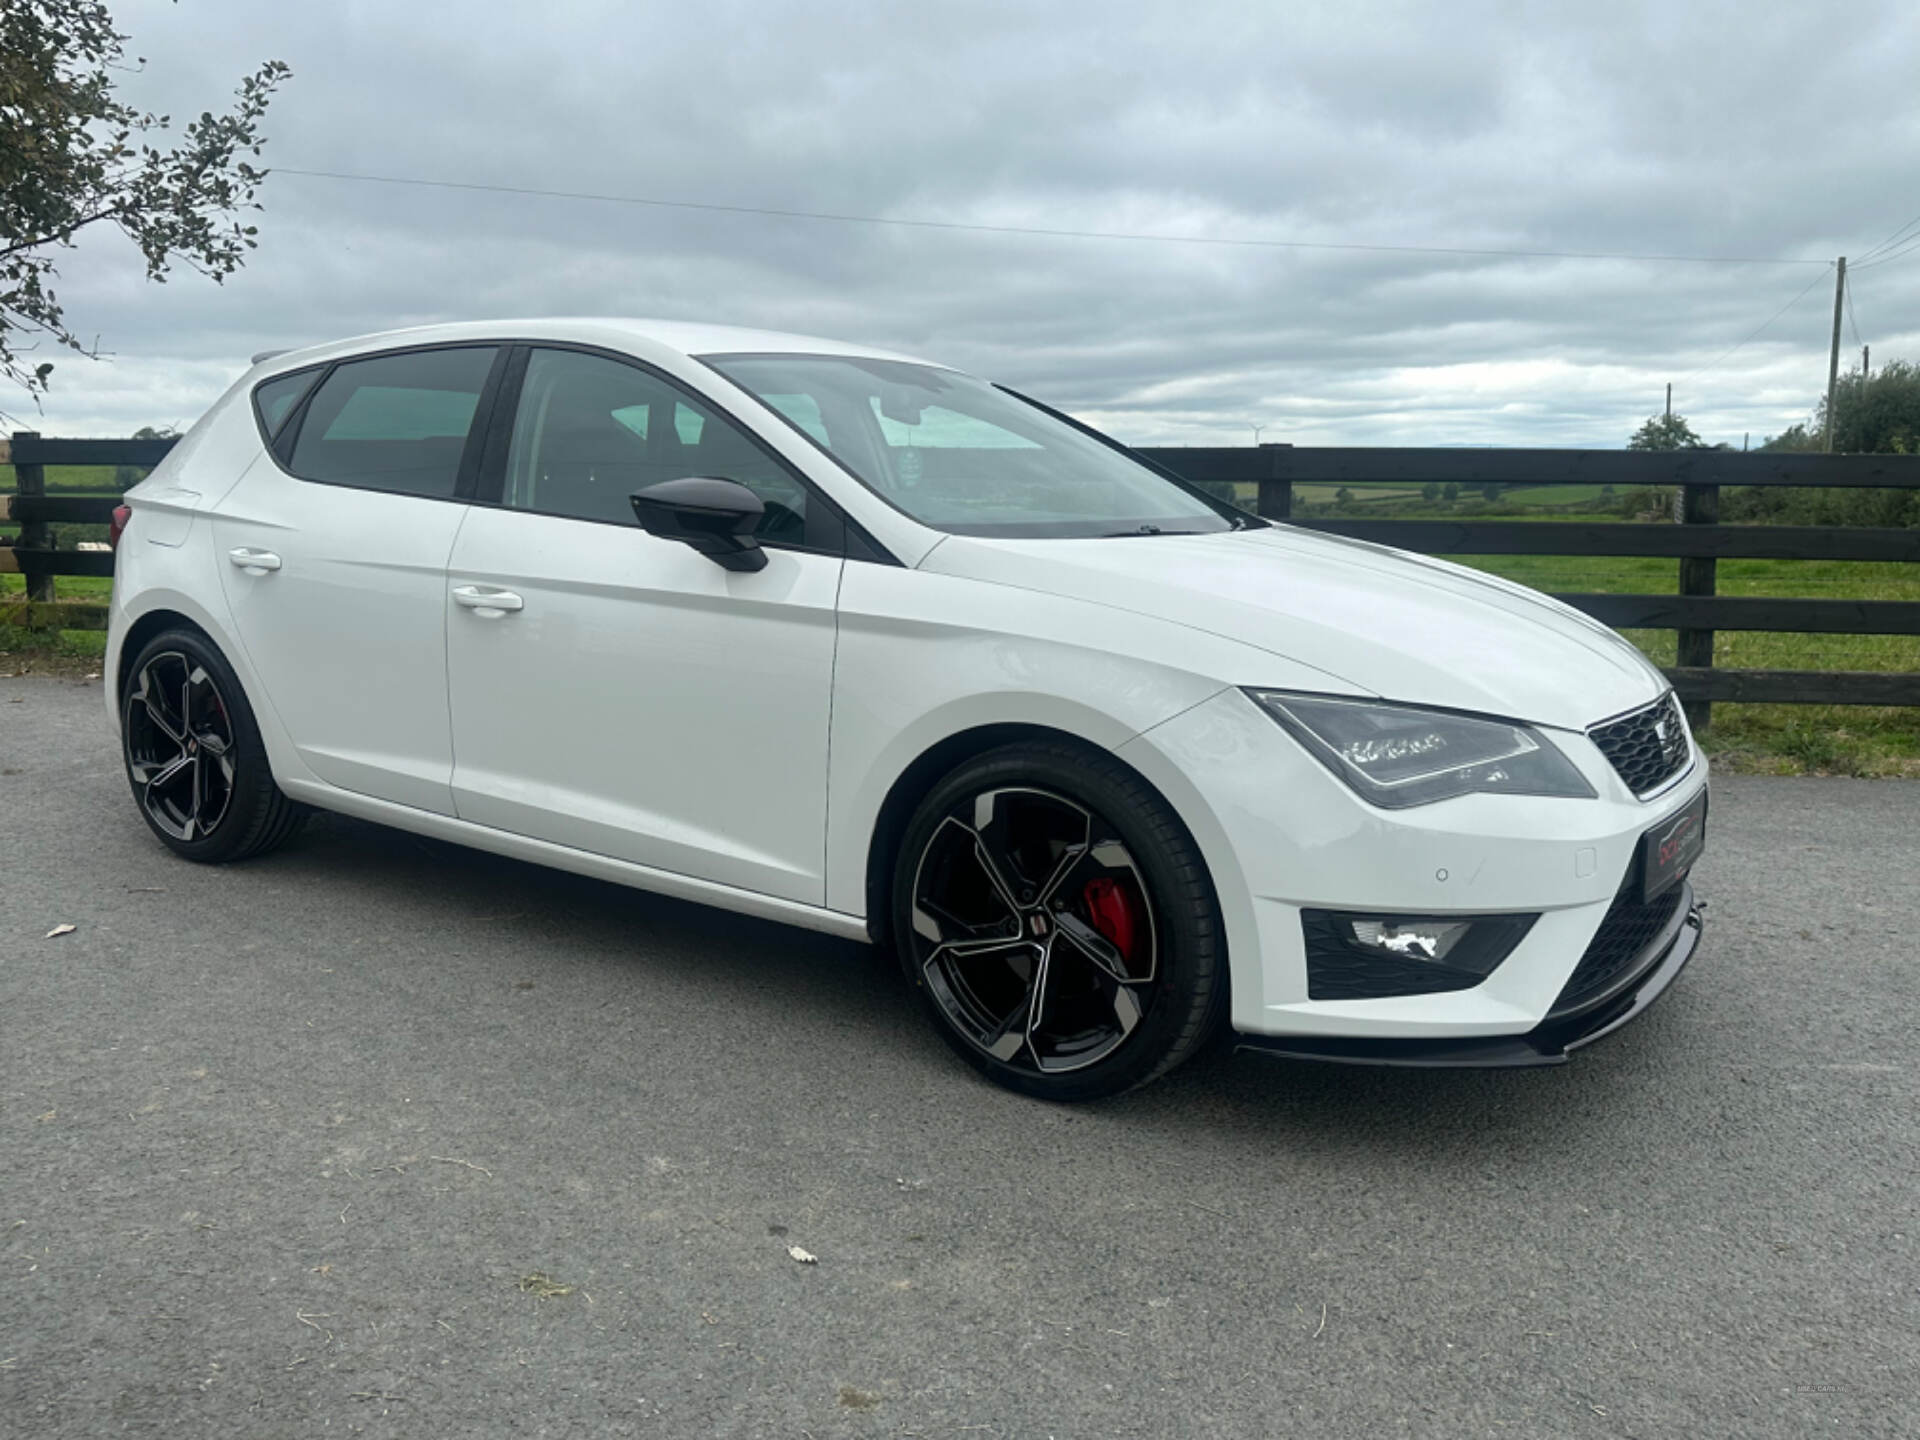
(283,1143)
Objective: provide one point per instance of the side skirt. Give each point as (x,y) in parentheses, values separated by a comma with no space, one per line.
(579,862)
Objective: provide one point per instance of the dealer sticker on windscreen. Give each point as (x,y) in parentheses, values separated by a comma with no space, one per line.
(1672,846)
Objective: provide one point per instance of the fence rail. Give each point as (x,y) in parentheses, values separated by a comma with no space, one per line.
(1698,542)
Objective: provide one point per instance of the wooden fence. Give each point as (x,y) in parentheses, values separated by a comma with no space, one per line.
(1698,542)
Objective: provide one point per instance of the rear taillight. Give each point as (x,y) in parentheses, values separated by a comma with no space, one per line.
(118,524)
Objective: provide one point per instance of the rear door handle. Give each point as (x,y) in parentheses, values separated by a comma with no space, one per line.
(254,562)
(488,604)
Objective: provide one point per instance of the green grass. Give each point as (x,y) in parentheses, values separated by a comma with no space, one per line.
(65,651)
(1776,739)
(81,478)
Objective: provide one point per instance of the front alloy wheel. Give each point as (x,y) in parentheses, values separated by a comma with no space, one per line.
(1059,923)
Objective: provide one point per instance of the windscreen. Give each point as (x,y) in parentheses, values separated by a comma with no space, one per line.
(957,454)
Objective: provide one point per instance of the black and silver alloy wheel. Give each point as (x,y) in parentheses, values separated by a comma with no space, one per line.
(1058,922)
(1033,930)
(193,752)
(179,740)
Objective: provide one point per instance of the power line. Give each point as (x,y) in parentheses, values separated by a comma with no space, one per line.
(1892,239)
(1759,328)
(1046,231)
(1853,324)
(1906,249)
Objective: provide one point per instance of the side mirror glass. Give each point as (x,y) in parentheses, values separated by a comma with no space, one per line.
(716,517)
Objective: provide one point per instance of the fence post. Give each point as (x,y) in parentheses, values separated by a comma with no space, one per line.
(34,534)
(1699,505)
(1276,489)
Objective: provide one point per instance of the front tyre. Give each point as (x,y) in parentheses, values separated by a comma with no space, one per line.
(1057,920)
(194,756)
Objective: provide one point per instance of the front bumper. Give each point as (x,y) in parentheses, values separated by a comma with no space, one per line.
(1281,835)
(1549,1043)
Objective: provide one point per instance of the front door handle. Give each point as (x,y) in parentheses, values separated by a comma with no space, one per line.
(487,604)
(254,562)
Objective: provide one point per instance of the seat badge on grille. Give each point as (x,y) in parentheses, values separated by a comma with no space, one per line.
(1660,727)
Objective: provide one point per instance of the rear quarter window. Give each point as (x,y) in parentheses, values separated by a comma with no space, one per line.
(273,400)
(393,422)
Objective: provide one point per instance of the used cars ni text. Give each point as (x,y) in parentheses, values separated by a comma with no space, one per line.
(859,642)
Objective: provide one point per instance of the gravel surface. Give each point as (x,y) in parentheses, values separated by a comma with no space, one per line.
(377,1136)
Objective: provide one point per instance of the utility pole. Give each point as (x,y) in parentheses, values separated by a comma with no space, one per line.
(1669,399)
(1833,358)
(1866,354)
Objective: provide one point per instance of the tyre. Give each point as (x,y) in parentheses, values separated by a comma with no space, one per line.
(194,756)
(1057,920)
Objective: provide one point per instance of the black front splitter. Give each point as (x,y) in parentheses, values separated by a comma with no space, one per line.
(1547,1044)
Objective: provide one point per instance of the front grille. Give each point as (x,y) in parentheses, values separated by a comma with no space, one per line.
(1630,927)
(1648,747)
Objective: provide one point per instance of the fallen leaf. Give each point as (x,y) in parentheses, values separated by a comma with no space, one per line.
(805,1257)
(59,930)
(543,1286)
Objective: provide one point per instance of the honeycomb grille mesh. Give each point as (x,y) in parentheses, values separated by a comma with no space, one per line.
(1647,748)
(1631,925)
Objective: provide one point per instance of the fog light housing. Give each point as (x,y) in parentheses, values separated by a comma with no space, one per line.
(1357,955)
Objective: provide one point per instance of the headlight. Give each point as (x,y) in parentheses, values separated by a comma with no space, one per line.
(1396,756)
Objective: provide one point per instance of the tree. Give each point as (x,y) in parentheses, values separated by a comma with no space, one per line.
(1430,491)
(125,477)
(1879,417)
(1666,432)
(73,155)
(1343,497)
(1450,491)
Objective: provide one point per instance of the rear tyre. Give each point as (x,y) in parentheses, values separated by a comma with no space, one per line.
(1057,920)
(193,754)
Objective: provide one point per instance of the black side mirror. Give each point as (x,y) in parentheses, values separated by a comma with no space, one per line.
(716,517)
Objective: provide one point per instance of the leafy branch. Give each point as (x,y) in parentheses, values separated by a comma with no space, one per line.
(74,155)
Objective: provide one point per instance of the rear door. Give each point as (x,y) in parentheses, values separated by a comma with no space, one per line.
(619,693)
(334,558)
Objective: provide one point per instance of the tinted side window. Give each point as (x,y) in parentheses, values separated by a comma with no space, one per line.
(590,431)
(273,400)
(395,422)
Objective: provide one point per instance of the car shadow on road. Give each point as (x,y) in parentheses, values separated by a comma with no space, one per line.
(811,987)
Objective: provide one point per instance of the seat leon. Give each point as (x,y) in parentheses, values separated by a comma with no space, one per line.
(859,642)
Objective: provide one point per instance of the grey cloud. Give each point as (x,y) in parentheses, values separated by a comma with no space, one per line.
(1689,128)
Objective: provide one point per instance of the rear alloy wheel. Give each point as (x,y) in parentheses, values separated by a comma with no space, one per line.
(194,757)
(1057,919)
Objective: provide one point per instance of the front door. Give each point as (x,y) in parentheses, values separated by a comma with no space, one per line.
(334,561)
(620,693)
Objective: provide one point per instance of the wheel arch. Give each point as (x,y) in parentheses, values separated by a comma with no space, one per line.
(939,760)
(142,629)
(169,609)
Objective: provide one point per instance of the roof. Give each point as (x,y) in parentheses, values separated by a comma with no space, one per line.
(687,337)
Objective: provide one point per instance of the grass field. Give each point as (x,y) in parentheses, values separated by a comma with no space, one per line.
(1781,739)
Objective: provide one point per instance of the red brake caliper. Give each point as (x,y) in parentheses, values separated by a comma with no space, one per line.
(1112,911)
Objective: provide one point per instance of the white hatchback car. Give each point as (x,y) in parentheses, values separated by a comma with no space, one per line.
(862,643)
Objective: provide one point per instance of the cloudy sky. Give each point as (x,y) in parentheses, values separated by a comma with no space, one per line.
(1758,130)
